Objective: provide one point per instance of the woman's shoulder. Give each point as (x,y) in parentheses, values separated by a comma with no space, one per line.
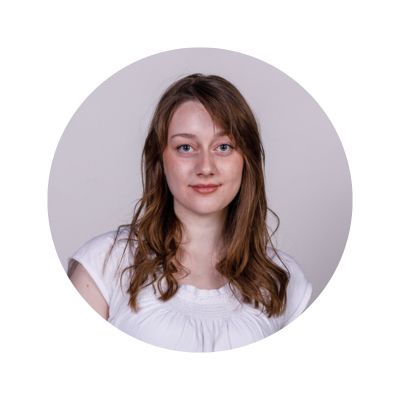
(100,244)
(286,261)
(299,289)
(103,256)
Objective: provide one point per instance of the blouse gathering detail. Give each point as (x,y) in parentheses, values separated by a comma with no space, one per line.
(194,320)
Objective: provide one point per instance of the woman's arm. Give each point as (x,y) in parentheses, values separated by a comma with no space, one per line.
(88,288)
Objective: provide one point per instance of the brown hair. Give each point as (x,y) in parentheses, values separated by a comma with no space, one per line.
(156,233)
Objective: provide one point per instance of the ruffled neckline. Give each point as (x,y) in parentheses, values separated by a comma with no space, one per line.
(189,292)
(199,303)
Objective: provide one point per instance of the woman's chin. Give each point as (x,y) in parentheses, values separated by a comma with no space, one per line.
(207,211)
(202,208)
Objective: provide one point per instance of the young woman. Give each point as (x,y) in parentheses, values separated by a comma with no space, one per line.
(196,269)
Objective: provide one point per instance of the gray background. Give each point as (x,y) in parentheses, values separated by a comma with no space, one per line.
(95,176)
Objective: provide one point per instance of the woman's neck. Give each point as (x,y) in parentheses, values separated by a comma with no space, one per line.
(201,231)
(202,243)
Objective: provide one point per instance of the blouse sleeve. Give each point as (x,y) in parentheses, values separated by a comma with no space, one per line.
(92,256)
(298,291)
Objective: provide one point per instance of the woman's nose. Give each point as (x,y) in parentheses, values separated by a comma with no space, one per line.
(205,164)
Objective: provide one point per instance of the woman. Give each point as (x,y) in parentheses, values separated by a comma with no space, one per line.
(196,269)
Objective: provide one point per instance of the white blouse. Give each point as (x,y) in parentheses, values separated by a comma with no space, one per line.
(195,320)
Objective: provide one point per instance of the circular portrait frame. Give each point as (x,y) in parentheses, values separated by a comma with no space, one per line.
(95,179)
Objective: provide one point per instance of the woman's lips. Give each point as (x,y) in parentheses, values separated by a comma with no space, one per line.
(205,189)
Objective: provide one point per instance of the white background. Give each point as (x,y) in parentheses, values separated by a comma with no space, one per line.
(54,54)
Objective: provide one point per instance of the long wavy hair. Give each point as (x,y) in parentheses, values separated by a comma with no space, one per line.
(155,233)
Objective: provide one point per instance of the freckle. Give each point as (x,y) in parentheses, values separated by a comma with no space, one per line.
(87,285)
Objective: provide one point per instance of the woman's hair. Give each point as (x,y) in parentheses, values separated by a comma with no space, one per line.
(155,233)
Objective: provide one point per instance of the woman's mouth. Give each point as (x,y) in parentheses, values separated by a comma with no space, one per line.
(205,189)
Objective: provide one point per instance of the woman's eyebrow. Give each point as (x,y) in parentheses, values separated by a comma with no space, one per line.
(185,135)
(191,135)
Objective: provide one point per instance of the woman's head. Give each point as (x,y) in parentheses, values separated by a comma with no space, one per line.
(201,163)
(184,147)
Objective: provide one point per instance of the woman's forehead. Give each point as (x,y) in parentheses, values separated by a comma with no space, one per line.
(191,118)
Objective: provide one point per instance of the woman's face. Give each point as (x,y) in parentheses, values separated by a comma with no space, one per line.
(200,154)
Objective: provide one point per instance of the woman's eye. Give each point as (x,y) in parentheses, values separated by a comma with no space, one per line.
(184,148)
(225,147)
